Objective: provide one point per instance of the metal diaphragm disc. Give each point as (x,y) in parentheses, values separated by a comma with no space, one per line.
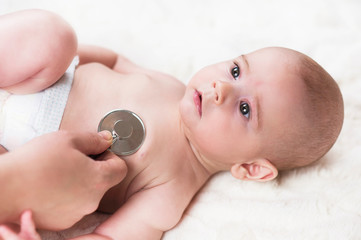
(127,128)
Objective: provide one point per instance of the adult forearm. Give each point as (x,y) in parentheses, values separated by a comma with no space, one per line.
(9,197)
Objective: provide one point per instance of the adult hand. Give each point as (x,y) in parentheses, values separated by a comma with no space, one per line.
(53,176)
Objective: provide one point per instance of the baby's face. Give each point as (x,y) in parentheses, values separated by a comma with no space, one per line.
(232,110)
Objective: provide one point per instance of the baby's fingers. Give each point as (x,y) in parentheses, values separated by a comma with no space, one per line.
(7,234)
(28,231)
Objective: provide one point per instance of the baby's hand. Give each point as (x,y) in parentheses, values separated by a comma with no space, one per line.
(27,230)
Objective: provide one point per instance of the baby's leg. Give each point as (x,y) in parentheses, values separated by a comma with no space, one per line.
(36,47)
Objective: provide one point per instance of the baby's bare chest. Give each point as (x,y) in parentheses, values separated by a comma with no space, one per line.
(96,92)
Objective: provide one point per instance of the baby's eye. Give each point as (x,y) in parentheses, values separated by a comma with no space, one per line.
(235,72)
(245,109)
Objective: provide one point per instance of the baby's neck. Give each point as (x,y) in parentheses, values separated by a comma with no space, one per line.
(199,163)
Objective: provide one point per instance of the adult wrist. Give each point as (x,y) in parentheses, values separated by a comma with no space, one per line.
(11,185)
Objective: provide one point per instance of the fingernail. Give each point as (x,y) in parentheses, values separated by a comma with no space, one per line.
(106,135)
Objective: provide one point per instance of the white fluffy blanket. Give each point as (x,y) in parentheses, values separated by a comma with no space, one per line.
(322,201)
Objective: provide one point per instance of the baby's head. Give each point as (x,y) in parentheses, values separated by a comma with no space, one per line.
(269,110)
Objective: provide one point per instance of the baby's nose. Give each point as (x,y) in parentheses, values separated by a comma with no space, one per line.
(222,90)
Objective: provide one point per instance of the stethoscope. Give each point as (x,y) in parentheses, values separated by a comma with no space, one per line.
(127,128)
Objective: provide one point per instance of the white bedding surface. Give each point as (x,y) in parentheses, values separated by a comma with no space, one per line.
(322,201)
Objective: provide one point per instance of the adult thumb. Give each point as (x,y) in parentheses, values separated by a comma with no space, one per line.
(91,143)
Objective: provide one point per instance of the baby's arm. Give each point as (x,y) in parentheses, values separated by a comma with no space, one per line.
(90,53)
(36,48)
(118,63)
(107,57)
(146,215)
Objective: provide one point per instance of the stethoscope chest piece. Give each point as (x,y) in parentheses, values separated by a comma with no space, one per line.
(127,128)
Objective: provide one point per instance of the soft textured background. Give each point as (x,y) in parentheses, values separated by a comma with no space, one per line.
(322,201)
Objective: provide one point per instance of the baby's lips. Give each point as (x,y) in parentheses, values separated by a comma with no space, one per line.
(197,98)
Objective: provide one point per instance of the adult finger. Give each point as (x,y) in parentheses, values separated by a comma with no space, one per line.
(92,143)
(112,167)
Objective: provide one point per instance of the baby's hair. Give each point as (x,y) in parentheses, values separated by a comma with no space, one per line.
(323,112)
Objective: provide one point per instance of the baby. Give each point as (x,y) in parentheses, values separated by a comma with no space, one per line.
(266,111)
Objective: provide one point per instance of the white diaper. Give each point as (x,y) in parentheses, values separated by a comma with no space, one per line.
(23,117)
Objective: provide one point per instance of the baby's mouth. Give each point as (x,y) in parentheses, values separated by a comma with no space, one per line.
(197,98)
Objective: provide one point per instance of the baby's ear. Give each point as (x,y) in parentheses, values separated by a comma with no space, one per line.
(260,170)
